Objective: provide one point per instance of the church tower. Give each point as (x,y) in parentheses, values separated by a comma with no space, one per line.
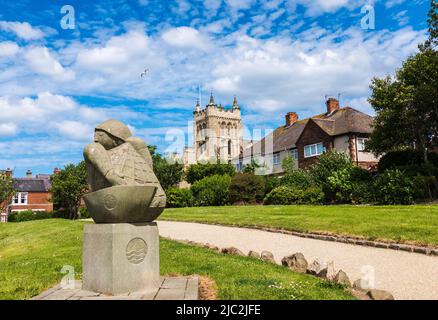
(217,132)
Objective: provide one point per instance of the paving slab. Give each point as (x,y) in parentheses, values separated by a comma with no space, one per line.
(171,288)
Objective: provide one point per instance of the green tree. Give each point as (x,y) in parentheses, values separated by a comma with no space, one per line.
(7,191)
(200,171)
(169,174)
(68,187)
(407,105)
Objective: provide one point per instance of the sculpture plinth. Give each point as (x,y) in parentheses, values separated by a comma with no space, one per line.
(120,258)
(121,251)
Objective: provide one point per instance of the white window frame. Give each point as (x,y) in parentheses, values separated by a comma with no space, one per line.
(315,152)
(276,158)
(20,199)
(294,154)
(361,145)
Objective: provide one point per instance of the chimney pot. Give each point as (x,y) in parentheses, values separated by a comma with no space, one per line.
(29,174)
(332,105)
(291,118)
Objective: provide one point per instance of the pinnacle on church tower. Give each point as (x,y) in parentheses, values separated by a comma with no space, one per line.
(235,105)
(198,106)
(211,103)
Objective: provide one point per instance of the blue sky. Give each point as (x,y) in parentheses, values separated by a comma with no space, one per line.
(277,56)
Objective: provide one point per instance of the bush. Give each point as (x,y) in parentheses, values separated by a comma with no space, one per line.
(313,195)
(271,182)
(29,215)
(394,187)
(179,198)
(84,213)
(197,172)
(286,195)
(410,161)
(362,193)
(247,188)
(332,173)
(212,191)
(299,179)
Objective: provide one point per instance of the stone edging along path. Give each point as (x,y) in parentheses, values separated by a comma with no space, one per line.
(427,250)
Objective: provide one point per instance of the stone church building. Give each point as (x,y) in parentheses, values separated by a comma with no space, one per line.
(217,134)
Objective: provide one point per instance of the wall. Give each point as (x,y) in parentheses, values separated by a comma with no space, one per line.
(312,134)
(35,201)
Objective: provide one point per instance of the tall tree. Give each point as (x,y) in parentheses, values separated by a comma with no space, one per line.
(6,191)
(68,187)
(169,174)
(407,105)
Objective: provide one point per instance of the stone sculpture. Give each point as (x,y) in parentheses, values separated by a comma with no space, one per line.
(121,251)
(123,185)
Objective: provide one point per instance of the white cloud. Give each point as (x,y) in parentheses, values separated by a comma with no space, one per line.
(8,48)
(22,30)
(186,37)
(40,60)
(75,130)
(8,129)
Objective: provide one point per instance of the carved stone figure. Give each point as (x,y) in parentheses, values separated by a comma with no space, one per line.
(123,185)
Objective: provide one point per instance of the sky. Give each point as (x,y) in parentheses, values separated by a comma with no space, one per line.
(66,67)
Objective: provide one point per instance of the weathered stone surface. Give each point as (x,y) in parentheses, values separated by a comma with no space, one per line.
(120,258)
(315,267)
(267,256)
(375,294)
(331,272)
(233,251)
(342,278)
(360,285)
(254,254)
(124,188)
(295,262)
(322,273)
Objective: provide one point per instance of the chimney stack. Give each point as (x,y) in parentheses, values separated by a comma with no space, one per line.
(8,172)
(291,118)
(29,174)
(332,105)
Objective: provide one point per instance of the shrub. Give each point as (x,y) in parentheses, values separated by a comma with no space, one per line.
(212,191)
(410,161)
(29,215)
(179,198)
(197,172)
(313,195)
(284,195)
(394,187)
(247,188)
(332,173)
(84,213)
(299,179)
(271,182)
(362,192)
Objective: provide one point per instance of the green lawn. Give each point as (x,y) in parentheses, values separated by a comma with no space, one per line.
(411,224)
(33,253)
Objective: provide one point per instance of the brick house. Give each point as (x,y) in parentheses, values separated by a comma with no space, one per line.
(33,193)
(342,129)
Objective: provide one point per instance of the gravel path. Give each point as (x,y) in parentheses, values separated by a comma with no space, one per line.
(406,275)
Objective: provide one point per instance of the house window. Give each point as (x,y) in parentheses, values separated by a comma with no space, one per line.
(314,150)
(276,158)
(20,198)
(361,144)
(294,154)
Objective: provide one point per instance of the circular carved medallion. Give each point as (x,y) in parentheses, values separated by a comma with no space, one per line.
(110,202)
(136,250)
